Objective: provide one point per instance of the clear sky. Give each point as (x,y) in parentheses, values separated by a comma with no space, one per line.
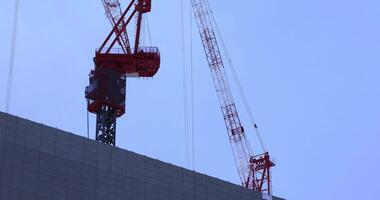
(310,70)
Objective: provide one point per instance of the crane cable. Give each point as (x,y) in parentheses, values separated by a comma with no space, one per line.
(192,84)
(88,120)
(12,56)
(236,79)
(148,29)
(185,89)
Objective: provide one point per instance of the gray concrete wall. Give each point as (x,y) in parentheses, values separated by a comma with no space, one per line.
(44,163)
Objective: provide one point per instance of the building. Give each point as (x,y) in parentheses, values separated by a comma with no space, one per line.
(43,163)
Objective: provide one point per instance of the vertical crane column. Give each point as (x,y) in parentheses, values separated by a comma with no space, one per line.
(107,89)
(253,170)
(106,98)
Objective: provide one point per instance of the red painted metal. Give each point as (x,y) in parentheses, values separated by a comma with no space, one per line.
(254,170)
(141,62)
(144,63)
(106,92)
(114,14)
(261,180)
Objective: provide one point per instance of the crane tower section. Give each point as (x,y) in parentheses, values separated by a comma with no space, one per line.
(254,170)
(107,89)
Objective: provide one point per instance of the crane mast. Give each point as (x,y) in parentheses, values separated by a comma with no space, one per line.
(254,170)
(106,92)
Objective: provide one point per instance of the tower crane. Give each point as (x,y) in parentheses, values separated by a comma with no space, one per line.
(113,65)
(254,170)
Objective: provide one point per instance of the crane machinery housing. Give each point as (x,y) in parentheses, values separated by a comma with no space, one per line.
(254,170)
(106,92)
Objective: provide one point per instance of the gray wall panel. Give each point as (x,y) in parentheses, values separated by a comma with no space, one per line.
(40,162)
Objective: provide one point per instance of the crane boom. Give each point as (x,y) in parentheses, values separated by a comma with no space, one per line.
(253,170)
(114,13)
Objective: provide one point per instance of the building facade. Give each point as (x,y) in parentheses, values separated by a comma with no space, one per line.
(43,163)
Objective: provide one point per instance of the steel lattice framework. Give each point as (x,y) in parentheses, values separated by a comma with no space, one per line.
(254,171)
(107,89)
(114,12)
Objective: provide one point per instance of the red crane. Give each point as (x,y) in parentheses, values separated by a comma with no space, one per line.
(254,170)
(114,13)
(106,92)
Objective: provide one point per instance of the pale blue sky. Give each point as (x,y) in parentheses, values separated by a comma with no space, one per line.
(310,70)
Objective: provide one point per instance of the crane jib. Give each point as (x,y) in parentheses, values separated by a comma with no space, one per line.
(254,170)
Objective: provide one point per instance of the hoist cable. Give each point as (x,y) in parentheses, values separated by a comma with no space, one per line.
(12,57)
(192,85)
(236,79)
(88,121)
(148,29)
(184,85)
(143,24)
